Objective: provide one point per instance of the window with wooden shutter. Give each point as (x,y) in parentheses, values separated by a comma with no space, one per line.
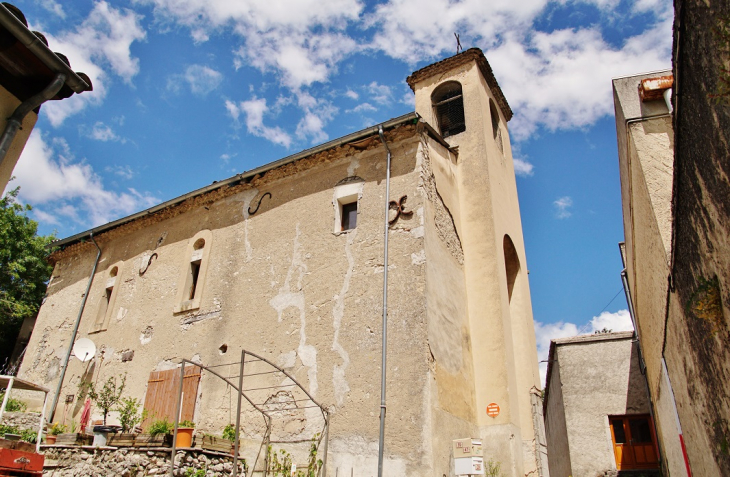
(162,389)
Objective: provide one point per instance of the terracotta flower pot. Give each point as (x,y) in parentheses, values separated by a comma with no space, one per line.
(184,437)
(51,439)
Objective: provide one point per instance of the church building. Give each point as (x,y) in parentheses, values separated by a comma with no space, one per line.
(288,262)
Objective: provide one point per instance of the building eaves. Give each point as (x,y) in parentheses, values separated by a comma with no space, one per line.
(239,178)
(472,54)
(27,65)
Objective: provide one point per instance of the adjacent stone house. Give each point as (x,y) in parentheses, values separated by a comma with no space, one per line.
(597,415)
(287,261)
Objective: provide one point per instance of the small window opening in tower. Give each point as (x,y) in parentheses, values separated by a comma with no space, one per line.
(511,263)
(349,216)
(448,104)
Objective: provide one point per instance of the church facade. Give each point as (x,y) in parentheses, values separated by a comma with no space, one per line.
(287,262)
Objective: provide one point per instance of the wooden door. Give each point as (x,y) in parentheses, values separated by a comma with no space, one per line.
(633,442)
(162,390)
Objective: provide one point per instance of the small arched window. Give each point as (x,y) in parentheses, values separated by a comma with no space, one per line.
(448,105)
(106,300)
(496,130)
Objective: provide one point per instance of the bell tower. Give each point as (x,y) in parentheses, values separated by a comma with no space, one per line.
(460,98)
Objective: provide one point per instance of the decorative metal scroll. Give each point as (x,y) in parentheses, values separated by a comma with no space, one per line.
(399,208)
(259,204)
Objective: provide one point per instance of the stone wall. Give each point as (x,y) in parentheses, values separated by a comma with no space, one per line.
(62,461)
(21,420)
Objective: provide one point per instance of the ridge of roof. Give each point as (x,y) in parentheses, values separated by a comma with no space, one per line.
(472,54)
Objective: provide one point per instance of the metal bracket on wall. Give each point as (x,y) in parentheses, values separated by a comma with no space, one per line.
(259,204)
(399,207)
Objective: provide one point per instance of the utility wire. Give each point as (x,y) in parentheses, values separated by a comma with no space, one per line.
(584,328)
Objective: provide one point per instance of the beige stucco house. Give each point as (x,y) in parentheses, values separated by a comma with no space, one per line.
(287,261)
(597,415)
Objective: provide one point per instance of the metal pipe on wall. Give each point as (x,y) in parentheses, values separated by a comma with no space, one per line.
(385,308)
(76,329)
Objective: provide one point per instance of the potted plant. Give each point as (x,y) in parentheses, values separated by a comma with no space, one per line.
(129,417)
(107,398)
(73,437)
(185,434)
(53,432)
(158,435)
(221,444)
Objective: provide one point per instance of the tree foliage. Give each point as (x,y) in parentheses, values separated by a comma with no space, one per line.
(24,271)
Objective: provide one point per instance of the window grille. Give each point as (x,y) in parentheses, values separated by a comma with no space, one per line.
(448,104)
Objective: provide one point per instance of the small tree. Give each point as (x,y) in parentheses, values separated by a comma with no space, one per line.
(129,415)
(110,394)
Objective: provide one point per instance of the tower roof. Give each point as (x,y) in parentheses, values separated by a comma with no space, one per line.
(472,54)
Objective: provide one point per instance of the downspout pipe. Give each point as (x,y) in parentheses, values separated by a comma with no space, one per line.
(385,308)
(15,121)
(75,331)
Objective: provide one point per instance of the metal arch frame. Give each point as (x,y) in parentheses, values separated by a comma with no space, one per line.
(241,394)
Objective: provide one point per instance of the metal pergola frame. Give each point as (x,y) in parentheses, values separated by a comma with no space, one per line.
(11,382)
(266,414)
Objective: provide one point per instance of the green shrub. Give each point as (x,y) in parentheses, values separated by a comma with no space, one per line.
(13,405)
(229,432)
(186,423)
(160,426)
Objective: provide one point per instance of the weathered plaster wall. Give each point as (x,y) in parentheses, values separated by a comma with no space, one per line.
(278,283)
(600,377)
(556,433)
(698,339)
(8,103)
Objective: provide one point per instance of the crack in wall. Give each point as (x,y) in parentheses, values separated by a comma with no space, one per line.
(287,298)
(341,386)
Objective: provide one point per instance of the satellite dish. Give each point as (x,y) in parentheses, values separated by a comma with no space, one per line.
(84,349)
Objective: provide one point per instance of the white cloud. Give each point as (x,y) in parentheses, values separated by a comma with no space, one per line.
(98,47)
(361,108)
(351,94)
(254,111)
(125,172)
(545,332)
(50,177)
(302,40)
(201,80)
(562,205)
(54,7)
(380,93)
(522,167)
(104,133)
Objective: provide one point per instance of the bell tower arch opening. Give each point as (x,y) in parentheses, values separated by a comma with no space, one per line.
(448,105)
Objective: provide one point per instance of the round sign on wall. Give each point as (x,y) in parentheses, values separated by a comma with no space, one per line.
(493,409)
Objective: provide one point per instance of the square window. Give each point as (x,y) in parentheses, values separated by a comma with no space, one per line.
(349,216)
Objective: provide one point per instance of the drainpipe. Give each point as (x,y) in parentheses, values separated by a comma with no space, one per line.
(385,308)
(76,329)
(16,119)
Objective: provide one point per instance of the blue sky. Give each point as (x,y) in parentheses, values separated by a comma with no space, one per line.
(189,92)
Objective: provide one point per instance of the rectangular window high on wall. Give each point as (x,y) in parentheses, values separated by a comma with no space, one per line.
(349,216)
